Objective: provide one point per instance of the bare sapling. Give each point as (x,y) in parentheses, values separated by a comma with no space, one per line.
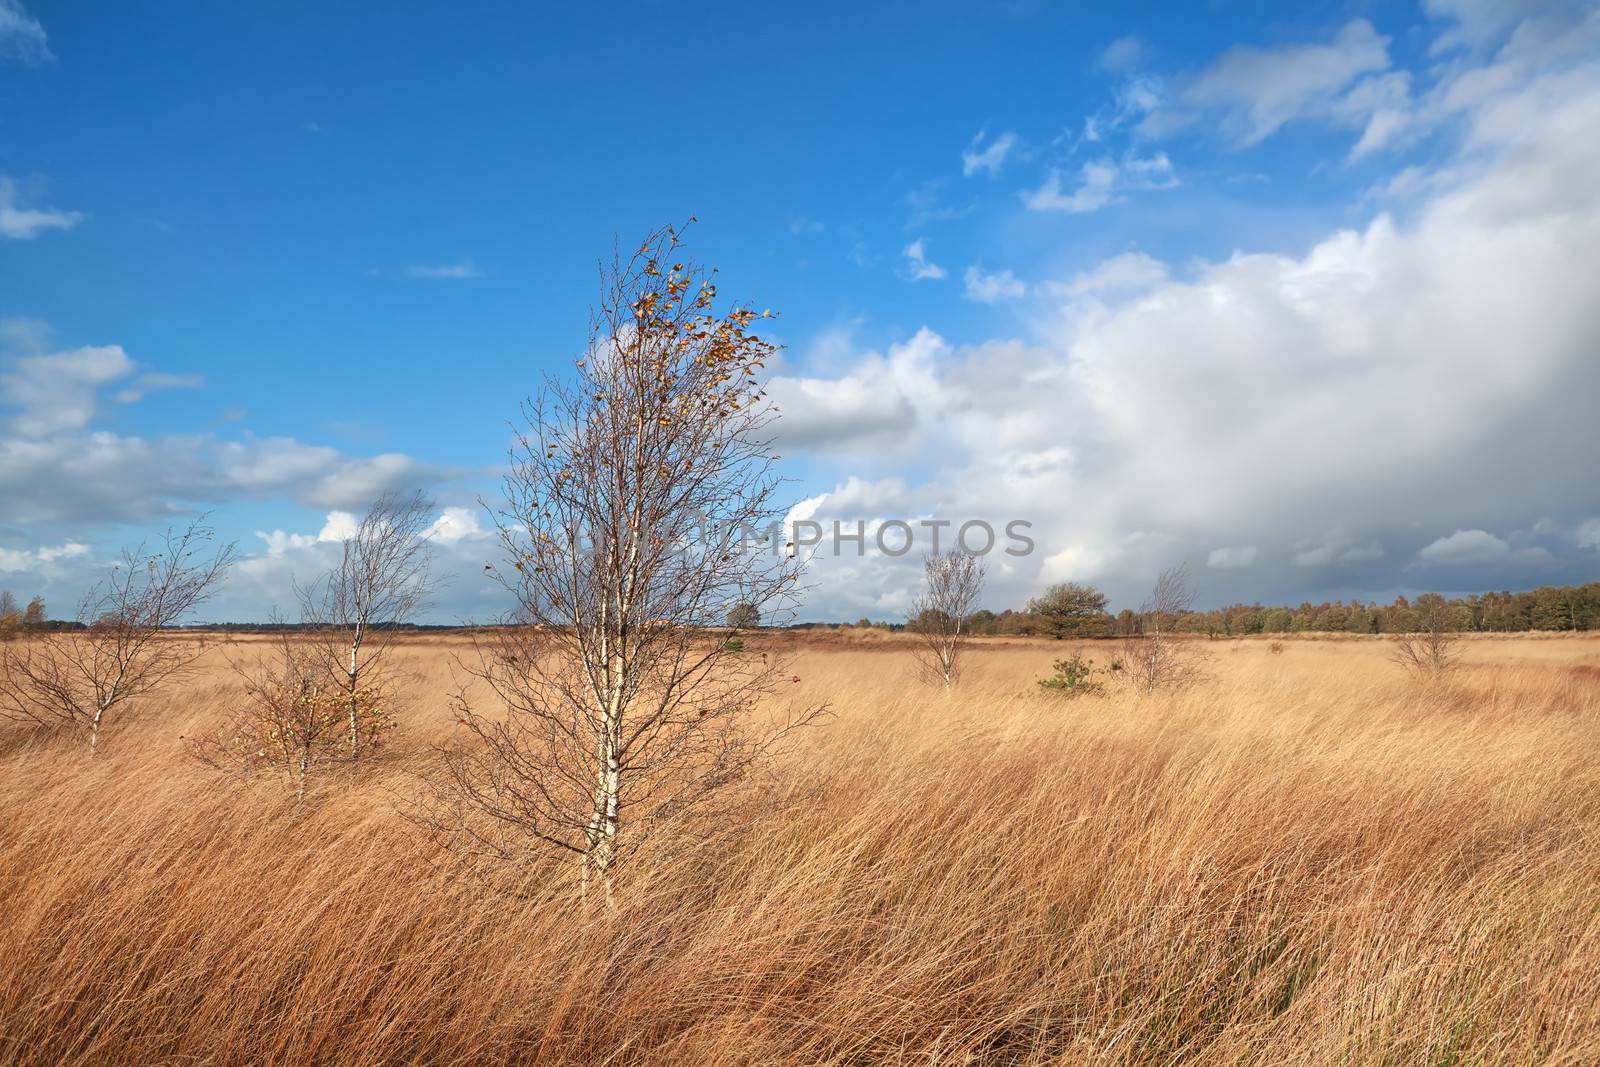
(952,583)
(381,581)
(78,678)
(1433,650)
(293,716)
(633,496)
(1154,657)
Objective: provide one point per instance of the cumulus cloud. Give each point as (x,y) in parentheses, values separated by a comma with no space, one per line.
(456,524)
(1360,413)
(917,268)
(874,406)
(458,549)
(59,391)
(13,560)
(56,467)
(20,222)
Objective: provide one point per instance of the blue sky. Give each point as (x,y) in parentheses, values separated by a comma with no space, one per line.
(1171,281)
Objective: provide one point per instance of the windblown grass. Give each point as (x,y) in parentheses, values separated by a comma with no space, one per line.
(1309,860)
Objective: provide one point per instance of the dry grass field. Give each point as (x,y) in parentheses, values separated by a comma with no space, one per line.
(1310,859)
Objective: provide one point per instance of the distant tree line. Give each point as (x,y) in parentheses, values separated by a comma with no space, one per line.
(1079,611)
(15,620)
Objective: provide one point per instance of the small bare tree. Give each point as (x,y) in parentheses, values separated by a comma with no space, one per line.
(1154,657)
(627,532)
(77,678)
(952,582)
(382,580)
(1433,649)
(293,717)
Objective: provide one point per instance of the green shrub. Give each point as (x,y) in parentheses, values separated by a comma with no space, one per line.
(1074,676)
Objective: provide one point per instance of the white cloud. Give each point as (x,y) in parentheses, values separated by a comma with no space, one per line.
(1465,547)
(1100,182)
(154,382)
(56,467)
(1095,182)
(1119,276)
(465,269)
(279,542)
(917,268)
(1475,23)
(456,524)
(21,36)
(14,560)
(1232,557)
(988,158)
(22,223)
(340,526)
(875,404)
(1589,534)
(1121,54)
(59,391)
(1380,394)
(1253,92)
(992,288)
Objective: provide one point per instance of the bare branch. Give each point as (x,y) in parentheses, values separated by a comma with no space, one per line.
(1154,657)
(383,579)
(638,495)
(952,582)
(76,678)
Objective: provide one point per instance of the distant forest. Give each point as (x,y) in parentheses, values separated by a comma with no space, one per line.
(1545,608)
(1074,610)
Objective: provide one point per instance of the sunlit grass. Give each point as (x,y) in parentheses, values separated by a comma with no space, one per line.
(1310,859)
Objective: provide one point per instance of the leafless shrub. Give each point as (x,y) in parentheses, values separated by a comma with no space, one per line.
(1433,650)
(952,582)
(382,580)
(75,679)
(293,718)
(625,534)
(1155,658)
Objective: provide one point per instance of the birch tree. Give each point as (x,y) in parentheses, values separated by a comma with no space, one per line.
(1154,657)
(292,717)
(78,678)
(952,582)
(627,531)
(1431,650)
(382,580)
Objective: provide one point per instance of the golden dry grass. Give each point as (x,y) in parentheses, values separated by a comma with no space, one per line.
(1309,860)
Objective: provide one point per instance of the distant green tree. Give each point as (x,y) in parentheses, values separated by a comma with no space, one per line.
(1071,609)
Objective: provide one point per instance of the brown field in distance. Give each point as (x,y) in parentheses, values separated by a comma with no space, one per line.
(1311,858)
